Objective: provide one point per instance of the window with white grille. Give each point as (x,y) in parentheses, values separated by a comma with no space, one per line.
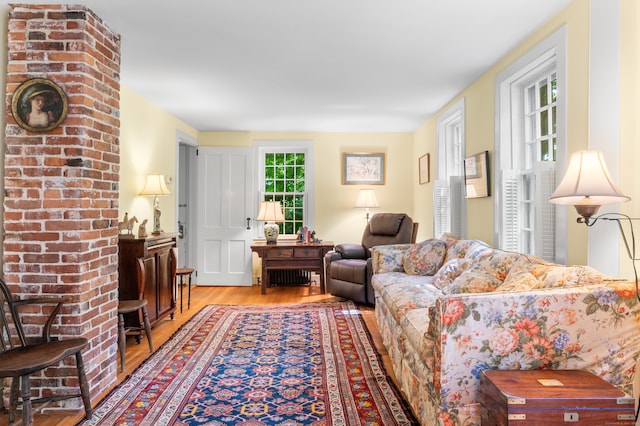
(286,176)
(449,202)
(530,140)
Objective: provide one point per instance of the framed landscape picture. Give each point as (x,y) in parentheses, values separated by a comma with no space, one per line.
(363,168)
(423,169)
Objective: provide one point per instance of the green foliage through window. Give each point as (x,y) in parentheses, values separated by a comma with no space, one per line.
(284,181)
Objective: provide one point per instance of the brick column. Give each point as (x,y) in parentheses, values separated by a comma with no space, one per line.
(61,186)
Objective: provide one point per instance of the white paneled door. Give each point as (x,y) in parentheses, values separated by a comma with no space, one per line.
(225,216)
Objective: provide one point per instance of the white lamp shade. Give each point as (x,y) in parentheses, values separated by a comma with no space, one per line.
(270,211)
(366,199)
(587,182)
(155,185)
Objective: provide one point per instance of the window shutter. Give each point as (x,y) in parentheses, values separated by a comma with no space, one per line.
(545,175)
(440,208)
(510,217)
(456,196)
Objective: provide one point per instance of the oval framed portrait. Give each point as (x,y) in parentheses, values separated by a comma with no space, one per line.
(39,105)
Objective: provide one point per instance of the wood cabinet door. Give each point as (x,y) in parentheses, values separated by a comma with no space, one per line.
(164,282)
(150,288)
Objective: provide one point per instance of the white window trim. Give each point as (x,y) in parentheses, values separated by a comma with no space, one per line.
(453,114)
(554,45)
(261,147)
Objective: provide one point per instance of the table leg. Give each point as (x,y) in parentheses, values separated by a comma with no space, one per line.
(265,278)
(322,290)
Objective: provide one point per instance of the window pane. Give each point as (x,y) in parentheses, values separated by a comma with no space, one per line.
(544,122)
(269,159)
(544,150)
(544,99)
(554,88)
(531,99)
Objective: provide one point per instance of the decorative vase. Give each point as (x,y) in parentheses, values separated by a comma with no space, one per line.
(271,231)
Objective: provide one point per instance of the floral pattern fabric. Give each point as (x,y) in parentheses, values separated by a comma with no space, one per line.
(540,315)
(424,258)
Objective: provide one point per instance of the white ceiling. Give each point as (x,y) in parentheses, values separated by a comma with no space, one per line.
(312,65)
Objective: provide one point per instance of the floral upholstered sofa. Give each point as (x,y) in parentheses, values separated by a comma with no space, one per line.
(448,309)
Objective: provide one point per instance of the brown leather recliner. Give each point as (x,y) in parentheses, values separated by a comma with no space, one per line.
(348,267)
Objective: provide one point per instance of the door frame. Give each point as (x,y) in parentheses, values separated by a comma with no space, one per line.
(190,257)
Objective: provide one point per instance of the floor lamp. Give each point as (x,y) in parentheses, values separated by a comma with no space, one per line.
(366,200)
(587,185)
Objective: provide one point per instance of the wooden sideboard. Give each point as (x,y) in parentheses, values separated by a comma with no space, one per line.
(159,270)
(292,255)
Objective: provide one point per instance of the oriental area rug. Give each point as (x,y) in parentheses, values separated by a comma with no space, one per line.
(309,364)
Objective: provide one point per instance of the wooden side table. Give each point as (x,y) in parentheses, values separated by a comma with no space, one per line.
(292,255)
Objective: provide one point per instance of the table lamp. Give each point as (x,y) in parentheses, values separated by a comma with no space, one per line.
(271,212)
(366,200)
(156,186)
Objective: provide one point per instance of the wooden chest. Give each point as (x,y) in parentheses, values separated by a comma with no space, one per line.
(552,397)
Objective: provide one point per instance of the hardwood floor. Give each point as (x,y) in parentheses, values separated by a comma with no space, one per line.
(201,296)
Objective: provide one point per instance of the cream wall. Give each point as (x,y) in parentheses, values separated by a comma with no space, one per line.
(630,112)
(480,119)
(147,145)
(335,218)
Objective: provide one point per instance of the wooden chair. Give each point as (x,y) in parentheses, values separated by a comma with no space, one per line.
(138,306)
(19,357)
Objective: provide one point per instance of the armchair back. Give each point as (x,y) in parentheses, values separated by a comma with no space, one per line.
(388,228)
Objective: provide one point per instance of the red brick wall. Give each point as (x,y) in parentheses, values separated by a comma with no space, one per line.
(61,186)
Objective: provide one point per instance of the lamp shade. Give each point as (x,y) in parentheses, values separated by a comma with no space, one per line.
(587,182)
(270,211)
(366,199)
(155,185)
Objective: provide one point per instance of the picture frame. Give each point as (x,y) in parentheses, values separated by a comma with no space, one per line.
(39,105)
(363,168)
(476,175)
(424,172)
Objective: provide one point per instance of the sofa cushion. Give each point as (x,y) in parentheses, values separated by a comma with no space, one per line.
(475,279)
(388,258)
(449,272)
(525,274)
(571,276)
(403,293)
(498,262)
(424,258)
(461,248)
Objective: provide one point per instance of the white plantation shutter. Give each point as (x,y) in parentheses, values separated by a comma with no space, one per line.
(510,235)
(449,207)
(457,205)
(545,175)
(441,222)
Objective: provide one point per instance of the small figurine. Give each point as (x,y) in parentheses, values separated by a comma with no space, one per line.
(126,226)
(122,226)
(142,229)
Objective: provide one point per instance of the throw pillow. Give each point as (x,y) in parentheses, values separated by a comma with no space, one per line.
(388,258)
(449,272)
(524,277)
(473,280)
(498,262)
(571,276)
(424,258)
